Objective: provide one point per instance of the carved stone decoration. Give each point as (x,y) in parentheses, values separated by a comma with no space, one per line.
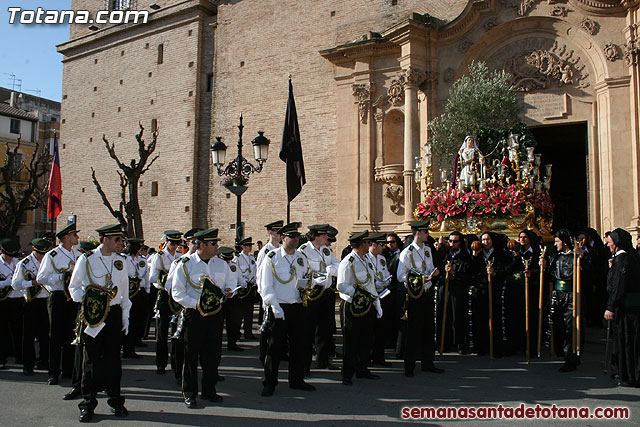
(464,45)
(412,77)
(396,92)
(558,11)
(430,82)
(378,113)
(490,23)
(611,51)
(448,75)
(589,25)
(536,66)
(526,6)
(631,52)
(363,93)
(395,192)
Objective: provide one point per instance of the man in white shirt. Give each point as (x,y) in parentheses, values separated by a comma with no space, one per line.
(35,316)
(139,288)
(55,274)
(416,264)
(283,272)
(100,280)
(10,303)
(246,263)
(383,326)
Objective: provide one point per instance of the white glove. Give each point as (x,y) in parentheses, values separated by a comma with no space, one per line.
(277,312)
(125,324)
(427,285)
(379,311)
(350,291)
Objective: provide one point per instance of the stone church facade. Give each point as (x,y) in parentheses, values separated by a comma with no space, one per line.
(368,75)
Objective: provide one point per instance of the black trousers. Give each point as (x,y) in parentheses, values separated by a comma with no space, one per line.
(420,340)
(76,375)
(162,329)
(36,325)
(62,323)
(149,312)
(136,323)
(291,328)
(562,324)
(459,317)
(233,316)
(102,364)
(246,308)
(202,341)
(320,324)
(383,329)
(358,339)
(11,329)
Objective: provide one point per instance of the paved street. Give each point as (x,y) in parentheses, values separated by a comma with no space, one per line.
(469,380)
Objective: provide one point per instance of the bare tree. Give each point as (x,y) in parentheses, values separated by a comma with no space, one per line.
(22,188)
(128,213)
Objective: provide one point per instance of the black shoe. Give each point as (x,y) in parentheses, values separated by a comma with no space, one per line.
(368,376)
(161,371)
(133,355)
(267,391)
(567,367)
(432,368)
(73,394)
(234,347)
(27,371)
(382,363)
(347,381)
(191,402)
(86,415)
(120,411)
(215,398)
(409,373)
(52,381)
(302,386)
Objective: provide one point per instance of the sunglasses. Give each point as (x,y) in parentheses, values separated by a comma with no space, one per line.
(390,242)
(454,241)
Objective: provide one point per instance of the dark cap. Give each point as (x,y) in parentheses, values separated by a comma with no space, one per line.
(48,235)
(189,234)
(319,228)
(419,225)
(66,230)
(41,245)
(85,246)
(226,253)
(110,230)
(290,230)
(245,242)
(135,240)
(377,237)
(208,235)
(359,237)
(173,236)
(10,247)
(275,226)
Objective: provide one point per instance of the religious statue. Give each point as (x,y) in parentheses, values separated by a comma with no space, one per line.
(471,164)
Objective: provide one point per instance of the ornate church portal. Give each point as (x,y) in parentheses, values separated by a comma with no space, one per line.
(574,64)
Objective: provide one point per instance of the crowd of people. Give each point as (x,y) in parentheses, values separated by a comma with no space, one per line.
(409,298)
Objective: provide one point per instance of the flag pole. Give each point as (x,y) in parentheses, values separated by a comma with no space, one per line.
(288,212)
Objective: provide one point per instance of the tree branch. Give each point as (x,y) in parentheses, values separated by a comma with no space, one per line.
(105,201)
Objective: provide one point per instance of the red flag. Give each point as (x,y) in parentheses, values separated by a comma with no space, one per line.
(54,204)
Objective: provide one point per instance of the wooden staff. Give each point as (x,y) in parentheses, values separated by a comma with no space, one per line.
(577,301)
(526,308)
(446,303)
(575,286)
(552,343)
(540,301)
(490,264)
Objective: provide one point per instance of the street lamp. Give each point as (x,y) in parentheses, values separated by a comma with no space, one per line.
(239,169)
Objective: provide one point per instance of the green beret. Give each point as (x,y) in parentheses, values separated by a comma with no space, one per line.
(41,245)
(189,234)
(226,252)
(245,242)
(419,225)
(274,225)
(173,236)
(66,230)
(208,235)
(110,230)
(358,237)
(10,247)
(290,230)
(85,246)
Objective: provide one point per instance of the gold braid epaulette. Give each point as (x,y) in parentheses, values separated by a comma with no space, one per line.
(294,272)
(355,277)
(188,277)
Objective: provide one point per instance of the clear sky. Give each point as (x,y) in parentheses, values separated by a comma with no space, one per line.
(29,50)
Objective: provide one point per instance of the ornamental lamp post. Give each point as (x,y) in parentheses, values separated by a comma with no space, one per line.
(239,169)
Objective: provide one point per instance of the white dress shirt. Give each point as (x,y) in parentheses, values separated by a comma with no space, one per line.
(417,258)
(185,290)
(26,268)
(54,261)
(289,269)
(6,276)
(355,270)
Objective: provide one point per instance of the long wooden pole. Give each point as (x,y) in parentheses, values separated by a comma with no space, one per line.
(541,303)
(552,343)
(577,302)
(446,304)
(575,286)
(526,308)
(490,264)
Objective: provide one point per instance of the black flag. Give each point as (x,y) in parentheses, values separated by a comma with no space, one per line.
(291,150)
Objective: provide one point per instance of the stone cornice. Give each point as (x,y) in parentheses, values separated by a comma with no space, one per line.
(603,7)
(467,19)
